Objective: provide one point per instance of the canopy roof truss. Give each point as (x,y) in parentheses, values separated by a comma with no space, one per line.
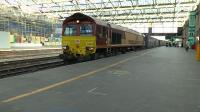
(122,12)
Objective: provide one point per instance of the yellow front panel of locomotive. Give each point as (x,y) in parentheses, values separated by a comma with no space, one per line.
(78,44)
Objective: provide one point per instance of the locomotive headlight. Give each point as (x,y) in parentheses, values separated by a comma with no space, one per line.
(90,48)
(77,21)
(65,47)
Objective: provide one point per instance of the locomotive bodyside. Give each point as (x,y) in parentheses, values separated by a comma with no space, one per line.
(134,39)
(127,37)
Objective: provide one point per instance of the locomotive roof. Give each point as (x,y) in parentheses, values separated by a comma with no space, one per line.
(81,15)
(100,22)
(131,31)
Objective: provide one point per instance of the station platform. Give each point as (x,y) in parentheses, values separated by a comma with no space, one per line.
(28,53)
(163,79)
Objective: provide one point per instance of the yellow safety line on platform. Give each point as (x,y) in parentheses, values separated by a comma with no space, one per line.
(68,81)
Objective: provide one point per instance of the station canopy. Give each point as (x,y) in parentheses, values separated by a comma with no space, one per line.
(138,14)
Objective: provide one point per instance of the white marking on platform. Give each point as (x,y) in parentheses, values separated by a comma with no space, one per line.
(92,91)
(119,72)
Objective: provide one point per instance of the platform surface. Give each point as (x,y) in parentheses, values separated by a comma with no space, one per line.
(14,54)
(30,48)
(155,80)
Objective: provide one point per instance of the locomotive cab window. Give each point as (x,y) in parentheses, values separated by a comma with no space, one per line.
(86,29)
(70,30)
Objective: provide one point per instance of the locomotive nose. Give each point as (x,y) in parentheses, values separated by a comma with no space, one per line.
(79,45)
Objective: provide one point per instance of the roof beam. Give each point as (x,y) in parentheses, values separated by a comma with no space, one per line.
(139,7)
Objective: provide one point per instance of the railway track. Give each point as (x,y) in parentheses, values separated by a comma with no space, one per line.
(11,68)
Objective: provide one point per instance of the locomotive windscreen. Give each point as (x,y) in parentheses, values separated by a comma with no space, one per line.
(70,30)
